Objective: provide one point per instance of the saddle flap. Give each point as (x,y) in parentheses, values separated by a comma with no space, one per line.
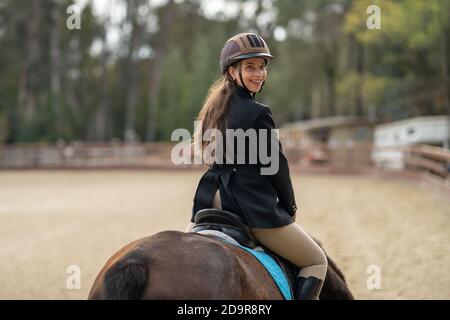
(227,222)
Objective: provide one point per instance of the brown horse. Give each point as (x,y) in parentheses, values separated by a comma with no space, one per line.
(176,265)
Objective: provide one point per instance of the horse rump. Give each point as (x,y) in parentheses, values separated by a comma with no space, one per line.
(127,278)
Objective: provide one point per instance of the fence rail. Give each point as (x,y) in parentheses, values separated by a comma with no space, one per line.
(83,155)
(338,157)
(433,159)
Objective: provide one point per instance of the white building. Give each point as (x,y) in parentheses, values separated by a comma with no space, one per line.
(390,137)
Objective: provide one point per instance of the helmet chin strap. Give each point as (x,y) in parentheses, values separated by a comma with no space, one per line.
(265,60)
(242,81)
(262,86)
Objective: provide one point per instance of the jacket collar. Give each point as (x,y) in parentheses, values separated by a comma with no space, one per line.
(242,92)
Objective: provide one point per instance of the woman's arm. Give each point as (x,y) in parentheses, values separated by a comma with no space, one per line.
(281,180)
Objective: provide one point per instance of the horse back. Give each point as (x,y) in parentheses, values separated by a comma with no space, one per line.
(177,265)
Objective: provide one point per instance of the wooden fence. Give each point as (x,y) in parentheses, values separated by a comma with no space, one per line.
(158,155)
(428,158)
(352,156)
(82,155)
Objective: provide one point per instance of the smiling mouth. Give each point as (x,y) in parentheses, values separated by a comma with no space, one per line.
(256,82)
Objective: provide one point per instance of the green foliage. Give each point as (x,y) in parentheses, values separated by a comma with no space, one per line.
(406,53)
(329,63)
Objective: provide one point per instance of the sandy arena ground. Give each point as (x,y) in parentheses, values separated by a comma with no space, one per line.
(50,220)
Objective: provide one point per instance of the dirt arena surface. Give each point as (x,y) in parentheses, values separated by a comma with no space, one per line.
(50,220)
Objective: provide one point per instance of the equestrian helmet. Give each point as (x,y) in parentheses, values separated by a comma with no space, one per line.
(243,46)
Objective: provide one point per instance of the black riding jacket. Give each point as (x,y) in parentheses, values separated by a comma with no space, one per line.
(263,201)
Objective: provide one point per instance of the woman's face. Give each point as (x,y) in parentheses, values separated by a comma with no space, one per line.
(254,73)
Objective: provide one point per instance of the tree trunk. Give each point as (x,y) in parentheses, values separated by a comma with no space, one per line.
(55,61)
(359,99)
(26,99)
(161,49)
(132,91)
(445,80)
(101,129)
(331,88)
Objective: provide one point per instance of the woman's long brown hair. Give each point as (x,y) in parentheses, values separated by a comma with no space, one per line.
(213,112)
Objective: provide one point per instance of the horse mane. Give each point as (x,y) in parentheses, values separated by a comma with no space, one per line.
(127,278)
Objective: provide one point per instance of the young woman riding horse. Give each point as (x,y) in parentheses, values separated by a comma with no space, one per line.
(179,265)
(265,202)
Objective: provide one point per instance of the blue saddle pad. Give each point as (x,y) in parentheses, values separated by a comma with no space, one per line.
(274,270)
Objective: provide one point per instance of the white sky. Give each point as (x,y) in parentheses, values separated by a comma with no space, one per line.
(115,11)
